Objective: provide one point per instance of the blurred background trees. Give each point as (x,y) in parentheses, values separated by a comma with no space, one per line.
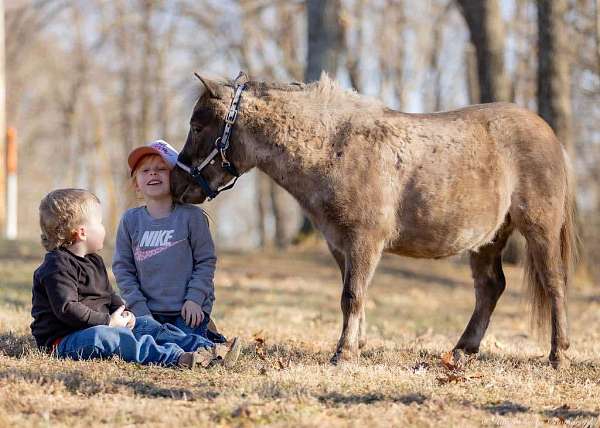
(88,80)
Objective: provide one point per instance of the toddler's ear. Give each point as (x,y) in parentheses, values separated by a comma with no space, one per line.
(79,234)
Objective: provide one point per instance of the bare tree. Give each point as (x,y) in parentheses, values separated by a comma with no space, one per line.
(324,38)
(392,51)
(554,90)
(597,28)
(522,27)
(486,27)
(146,69)
(324,43)
(352,28)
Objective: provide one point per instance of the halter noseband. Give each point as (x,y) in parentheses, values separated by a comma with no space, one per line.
(220,147)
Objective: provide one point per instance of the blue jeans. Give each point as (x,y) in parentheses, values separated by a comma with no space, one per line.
(201,330)
(150,342)
(179,322)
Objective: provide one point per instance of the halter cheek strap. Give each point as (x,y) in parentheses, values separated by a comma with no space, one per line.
(220,146)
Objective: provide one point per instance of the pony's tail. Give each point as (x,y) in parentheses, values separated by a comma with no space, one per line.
(569,243)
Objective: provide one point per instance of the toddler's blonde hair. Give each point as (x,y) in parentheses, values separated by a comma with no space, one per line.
(61,212)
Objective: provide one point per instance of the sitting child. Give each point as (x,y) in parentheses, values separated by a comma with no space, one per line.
(165,260)
(76,314)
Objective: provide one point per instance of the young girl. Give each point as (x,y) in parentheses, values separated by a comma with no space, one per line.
(164,259)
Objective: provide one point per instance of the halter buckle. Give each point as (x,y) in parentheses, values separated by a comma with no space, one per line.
(231,117)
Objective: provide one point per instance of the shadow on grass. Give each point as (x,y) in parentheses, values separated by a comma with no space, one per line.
(506,408)
(563,413)
(566,413)
(74,381)
(17,346)
(78,382)
(337,399)
(149,390)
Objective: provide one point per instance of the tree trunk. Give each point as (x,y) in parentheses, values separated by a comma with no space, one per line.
(472,80)
(554,91)
(262,206)
(278,203)
(324,43)
(324,38)
(486,27)
(145,72)
(597,11)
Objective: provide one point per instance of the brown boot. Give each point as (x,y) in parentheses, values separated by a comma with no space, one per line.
(228,353)
(201,358)
(187,360)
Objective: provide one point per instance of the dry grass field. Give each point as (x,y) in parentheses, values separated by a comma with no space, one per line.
(286,308)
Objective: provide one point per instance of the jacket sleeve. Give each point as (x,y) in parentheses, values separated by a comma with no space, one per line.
(61,287)
(200,288)
(115,302)
(125,272)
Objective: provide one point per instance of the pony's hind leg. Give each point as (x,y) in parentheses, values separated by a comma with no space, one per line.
(486,267)
(548,288)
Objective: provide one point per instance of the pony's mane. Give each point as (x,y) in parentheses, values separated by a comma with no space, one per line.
(325,90)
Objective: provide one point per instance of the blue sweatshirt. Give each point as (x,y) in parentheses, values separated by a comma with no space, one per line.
(161,263)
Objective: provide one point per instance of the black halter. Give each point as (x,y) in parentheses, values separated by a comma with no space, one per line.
(220,147)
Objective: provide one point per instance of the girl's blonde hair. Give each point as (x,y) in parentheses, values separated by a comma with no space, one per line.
(61,212)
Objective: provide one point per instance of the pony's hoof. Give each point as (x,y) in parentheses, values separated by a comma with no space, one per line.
(462,356)
(344,356)
(559,361)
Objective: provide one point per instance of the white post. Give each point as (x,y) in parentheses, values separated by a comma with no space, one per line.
(2,120)
(11,184)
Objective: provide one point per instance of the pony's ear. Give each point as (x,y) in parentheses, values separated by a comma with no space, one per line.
(211,87)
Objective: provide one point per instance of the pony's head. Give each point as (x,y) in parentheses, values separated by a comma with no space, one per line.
(202,150)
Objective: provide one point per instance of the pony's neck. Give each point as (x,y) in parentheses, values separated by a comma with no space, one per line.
(284,141)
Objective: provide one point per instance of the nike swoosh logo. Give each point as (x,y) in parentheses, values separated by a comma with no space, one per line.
(141,255)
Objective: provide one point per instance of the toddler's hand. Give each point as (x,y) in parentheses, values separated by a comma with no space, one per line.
(119,319)
(192,313)
(131,322)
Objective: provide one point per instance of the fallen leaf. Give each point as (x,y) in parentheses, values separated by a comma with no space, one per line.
(259,337)
(259,345)
(448,362)
(451,377)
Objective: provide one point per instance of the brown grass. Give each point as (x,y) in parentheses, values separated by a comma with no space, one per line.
(286,308)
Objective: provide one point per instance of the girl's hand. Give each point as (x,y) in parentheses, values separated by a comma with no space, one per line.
(120,318)
(192,313)
(131,322)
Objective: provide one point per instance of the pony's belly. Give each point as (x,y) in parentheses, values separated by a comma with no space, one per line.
(441,242)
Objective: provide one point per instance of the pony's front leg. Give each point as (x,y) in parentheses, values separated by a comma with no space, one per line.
(360,263)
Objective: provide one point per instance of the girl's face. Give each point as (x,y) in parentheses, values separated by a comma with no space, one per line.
(152,178)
